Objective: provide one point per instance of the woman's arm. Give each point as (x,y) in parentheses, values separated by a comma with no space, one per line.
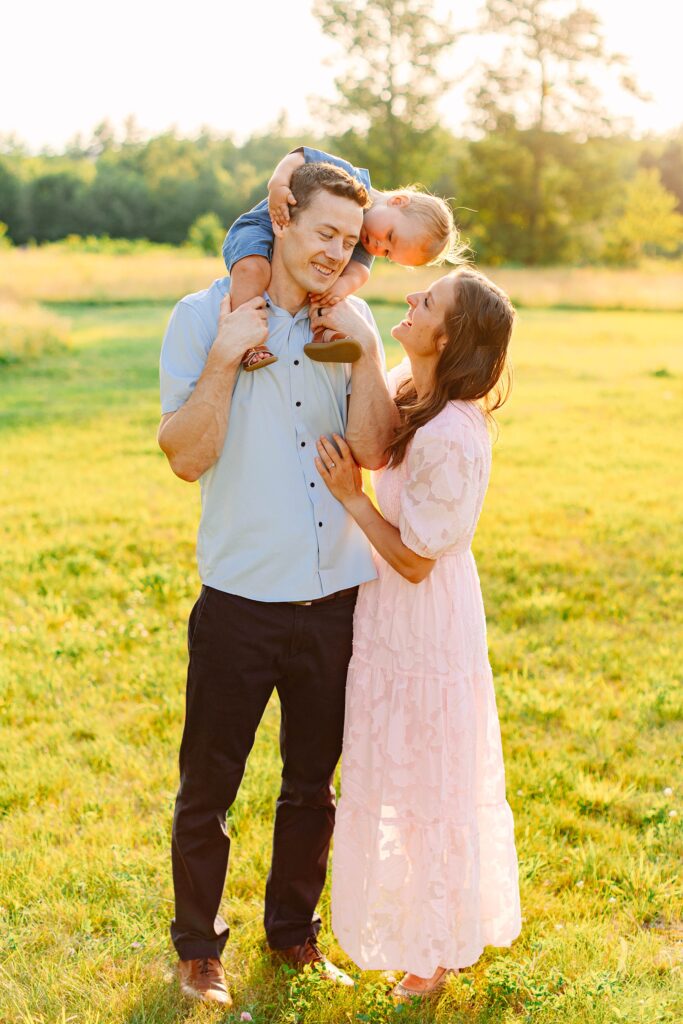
(343,478)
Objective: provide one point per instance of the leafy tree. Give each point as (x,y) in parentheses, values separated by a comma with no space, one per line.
(119,201)
(670,165)
(669,161)
(496,181)
(56,202)
(542,84)
(647,223)
(12,206)
(207,234)
(392,81)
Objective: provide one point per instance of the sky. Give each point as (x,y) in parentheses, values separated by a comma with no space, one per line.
(234,67)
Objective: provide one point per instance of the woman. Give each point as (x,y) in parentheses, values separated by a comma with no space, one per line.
(425,868)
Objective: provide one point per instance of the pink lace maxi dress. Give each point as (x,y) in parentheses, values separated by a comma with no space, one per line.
(425,869)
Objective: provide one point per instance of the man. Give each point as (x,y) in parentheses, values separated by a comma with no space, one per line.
(280,563)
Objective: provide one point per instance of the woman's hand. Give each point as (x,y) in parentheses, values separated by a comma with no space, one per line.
(339,470)
(345,319)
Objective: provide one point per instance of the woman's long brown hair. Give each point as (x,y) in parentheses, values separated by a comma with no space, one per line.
(473,364)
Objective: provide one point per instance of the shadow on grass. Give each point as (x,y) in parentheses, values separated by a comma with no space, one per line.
(259,988)
(271,993)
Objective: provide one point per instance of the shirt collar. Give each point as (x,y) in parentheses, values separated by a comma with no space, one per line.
(274,310)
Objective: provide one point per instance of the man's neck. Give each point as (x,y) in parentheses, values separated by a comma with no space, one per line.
(283,290)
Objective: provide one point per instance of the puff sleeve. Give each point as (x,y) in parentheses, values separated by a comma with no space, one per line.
(446,475)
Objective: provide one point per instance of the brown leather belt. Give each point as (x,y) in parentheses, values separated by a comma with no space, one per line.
(330,597)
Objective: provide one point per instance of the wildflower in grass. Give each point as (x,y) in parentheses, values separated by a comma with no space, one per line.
(580,884)
(667,791)
(246,1016)
(135,945)
(673,814)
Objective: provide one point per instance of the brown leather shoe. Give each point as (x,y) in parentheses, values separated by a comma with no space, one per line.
(204,979)
(309,954)
(401,993)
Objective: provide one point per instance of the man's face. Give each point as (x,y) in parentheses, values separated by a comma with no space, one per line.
(318,242)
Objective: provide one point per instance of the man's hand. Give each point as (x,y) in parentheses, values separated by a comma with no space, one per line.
(237,332)
(280,198)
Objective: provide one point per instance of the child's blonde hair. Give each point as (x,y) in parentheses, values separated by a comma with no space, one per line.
(436,217)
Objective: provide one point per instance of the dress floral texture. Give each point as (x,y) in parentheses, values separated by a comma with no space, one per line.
(425,868)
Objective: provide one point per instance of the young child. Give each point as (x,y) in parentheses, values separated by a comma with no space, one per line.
(407,226)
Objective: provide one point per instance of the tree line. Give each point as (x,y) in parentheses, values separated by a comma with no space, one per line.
(543,174)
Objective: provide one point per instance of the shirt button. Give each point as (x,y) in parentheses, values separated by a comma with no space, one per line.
(320,524)
(296,362)
(303,444)
(298,403)
(312,485)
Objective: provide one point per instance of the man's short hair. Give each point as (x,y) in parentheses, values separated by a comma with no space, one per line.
(314,177)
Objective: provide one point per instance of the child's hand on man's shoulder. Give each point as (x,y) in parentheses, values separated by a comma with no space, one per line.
(280,198)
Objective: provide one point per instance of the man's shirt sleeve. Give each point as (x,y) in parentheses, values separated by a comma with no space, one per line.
(184,351)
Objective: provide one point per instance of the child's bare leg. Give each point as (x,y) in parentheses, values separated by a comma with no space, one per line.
(250,278)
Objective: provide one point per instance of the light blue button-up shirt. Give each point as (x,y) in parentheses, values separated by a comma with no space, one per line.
(270,530)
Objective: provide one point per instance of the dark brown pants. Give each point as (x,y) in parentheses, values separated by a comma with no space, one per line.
(240,651)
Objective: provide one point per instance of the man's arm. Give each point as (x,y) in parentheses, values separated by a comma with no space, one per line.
(192,438)
(372,414)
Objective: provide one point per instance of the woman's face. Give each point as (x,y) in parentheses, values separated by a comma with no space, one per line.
(422,333)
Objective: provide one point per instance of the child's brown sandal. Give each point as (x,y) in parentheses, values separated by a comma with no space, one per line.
(341,350)
(252,359)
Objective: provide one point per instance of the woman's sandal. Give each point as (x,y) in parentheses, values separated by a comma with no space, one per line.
(401,994)
(341,350)
(252,359)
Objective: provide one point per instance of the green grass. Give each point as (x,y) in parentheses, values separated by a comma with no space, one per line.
(579,552)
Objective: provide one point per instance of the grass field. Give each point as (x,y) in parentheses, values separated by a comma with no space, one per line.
(579,551)
(48,274)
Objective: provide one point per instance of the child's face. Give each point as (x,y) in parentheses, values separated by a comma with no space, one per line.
(388,231)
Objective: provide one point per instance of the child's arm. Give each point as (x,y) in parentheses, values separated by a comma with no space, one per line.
(353,277)
(280,197)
